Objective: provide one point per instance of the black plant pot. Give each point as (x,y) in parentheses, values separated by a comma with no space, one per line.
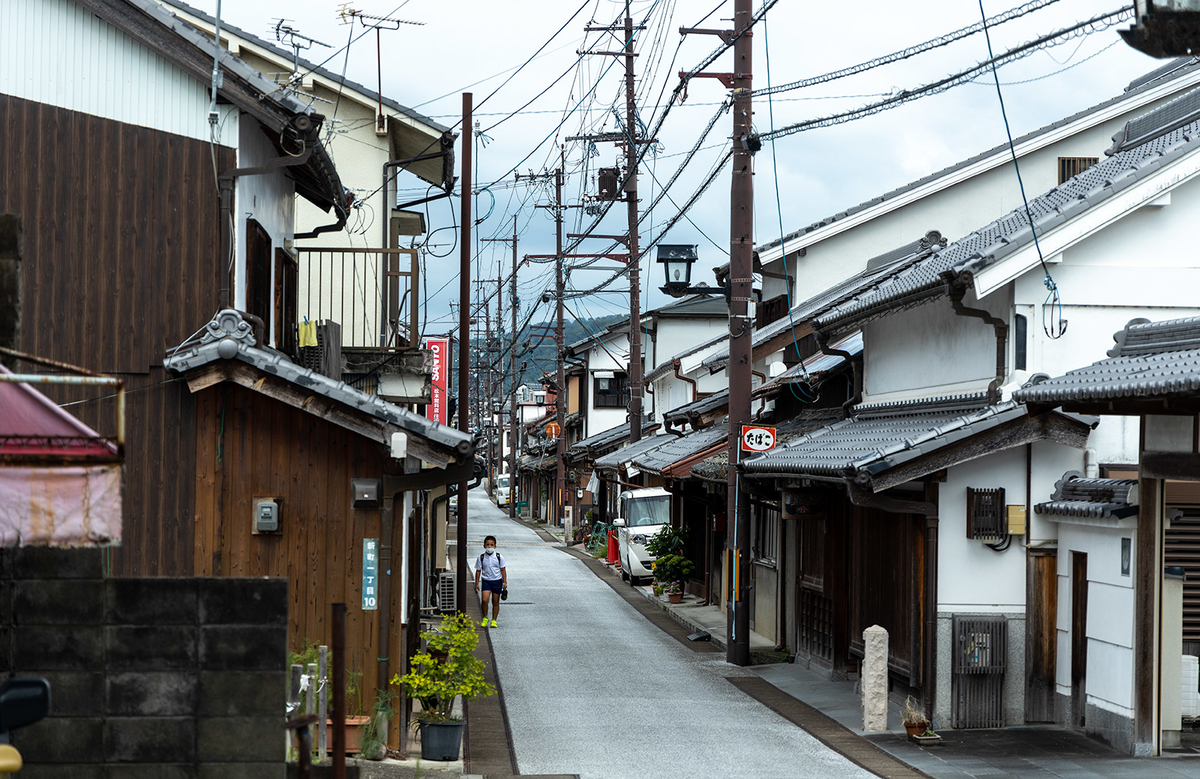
(441,740)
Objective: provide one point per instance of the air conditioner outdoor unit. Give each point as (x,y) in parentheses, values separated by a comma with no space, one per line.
(447,592)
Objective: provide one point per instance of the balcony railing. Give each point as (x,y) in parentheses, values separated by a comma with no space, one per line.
(371,293)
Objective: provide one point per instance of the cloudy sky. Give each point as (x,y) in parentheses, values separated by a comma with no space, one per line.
(471,45)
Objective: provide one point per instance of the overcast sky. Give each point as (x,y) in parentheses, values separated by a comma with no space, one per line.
(471,45)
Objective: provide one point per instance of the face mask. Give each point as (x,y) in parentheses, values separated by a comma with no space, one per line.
(490,551)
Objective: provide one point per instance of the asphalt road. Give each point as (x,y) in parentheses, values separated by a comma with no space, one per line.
(592,688)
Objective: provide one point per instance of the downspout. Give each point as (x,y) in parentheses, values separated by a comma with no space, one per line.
(856,369)
(762,404)
(859,490)
(675,365)
(956,289)
(649,387)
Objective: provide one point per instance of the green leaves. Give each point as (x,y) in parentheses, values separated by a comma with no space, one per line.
(436,680)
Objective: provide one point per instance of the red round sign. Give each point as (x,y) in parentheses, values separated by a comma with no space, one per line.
(552,430)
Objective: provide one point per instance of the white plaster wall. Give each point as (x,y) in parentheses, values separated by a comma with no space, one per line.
(612,356)
(1110,613)
(55,52)
(678,335)
(972,577)
(928,350)
(1050,461)
(268,199)
(833,254)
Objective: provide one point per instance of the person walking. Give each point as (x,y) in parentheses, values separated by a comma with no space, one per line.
(491,572)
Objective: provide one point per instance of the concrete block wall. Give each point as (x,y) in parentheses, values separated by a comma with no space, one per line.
(165,678)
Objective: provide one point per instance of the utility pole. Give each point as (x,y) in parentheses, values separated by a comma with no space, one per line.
(512,388)
(630,141)
(741,250)
(741,325)
(635,258)
(464,346)
(512,385)
(560,479)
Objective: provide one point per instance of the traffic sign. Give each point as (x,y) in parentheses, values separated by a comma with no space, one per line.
(757,438)
(552,430)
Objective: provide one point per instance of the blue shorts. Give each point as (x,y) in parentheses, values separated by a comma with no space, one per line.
(492,585)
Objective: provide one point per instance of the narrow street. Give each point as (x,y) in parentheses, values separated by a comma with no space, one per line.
(592,688)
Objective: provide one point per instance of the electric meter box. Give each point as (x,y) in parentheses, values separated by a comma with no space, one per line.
(266,516)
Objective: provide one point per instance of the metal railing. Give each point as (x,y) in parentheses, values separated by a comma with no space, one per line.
(371,293)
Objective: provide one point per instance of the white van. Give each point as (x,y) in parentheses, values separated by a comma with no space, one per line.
(503,490)
(640,515)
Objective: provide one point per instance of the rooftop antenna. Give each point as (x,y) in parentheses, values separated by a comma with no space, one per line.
(348,15)
(290,36)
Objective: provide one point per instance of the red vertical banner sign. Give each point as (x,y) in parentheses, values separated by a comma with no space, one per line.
(436,408)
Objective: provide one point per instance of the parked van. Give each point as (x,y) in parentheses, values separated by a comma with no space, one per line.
(503,489)
(640,515)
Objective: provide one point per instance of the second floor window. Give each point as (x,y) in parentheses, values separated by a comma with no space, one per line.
(610,392)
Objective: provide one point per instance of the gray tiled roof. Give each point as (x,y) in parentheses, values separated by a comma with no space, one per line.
(681,448)
(1171,70)
(715,468)
(367,91)
(669,366)
(228,336)
(878,268)
(1076,496)
(601,442)
(1149,360)
(881,437)
(616,459)
(696,408)
(988,245)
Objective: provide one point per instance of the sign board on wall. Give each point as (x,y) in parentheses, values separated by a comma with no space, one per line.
(370,582)
(436,409)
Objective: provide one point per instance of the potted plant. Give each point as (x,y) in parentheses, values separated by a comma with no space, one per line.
(927,738)
(915,721)
(436,684)
(670,571)
(309,654)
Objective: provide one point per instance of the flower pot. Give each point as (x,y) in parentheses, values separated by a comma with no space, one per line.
(915,728)
(924,740)
(353,734)
(441,740)
(676,597)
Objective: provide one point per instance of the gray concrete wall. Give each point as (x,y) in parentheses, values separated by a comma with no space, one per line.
(165,678)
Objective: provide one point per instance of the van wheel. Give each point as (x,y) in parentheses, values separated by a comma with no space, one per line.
(624,572)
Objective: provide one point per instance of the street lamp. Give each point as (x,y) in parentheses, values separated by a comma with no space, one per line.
(677,260)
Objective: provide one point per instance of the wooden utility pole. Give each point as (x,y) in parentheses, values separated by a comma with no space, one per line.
(629,138)
(464,348)
(512,386)
(635,258)
(560,479)
(512,363)
(741,251)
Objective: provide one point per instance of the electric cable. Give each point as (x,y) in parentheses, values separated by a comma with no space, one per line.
(1056,326)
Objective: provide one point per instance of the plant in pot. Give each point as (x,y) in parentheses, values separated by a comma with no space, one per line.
(309,654)
(670,571)
(436,684)
(915,721)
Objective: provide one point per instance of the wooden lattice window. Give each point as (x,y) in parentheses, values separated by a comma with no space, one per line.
(765,543)
(1069,167)
(771,310)
(986,514)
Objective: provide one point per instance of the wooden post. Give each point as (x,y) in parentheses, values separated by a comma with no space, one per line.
(310,697)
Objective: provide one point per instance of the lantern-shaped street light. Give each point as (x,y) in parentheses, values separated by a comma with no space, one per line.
(1165,28)
(677,260)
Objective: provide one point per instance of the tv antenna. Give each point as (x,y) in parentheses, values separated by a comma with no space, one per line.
(348,15)
(290,36)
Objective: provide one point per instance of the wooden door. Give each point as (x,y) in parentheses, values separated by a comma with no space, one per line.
(1079,603)
(1041,643)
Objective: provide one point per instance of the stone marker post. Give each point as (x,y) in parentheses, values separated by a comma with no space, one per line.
(875,680)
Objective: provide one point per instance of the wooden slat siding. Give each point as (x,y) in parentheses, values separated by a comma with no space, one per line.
(884,557)
(117,268)
(1041,642)
(205,504)
(308,464)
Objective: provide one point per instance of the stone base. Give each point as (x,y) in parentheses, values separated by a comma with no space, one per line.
(1116,730)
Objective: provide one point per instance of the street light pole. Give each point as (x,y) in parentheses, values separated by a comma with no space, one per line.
(464,347)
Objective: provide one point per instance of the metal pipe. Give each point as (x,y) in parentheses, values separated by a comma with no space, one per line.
(464,354)
(54,378)
(339,690)
(675,363)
